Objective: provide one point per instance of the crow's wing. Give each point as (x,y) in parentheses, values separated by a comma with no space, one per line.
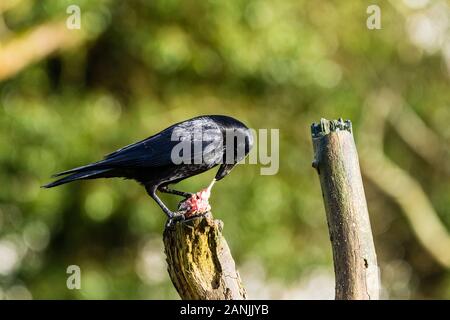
(201,136)
(156,151)
(151,152)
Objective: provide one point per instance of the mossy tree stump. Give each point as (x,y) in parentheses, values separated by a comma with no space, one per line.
(199,261)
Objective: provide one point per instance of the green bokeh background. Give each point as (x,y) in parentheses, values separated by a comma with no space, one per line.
(143,65)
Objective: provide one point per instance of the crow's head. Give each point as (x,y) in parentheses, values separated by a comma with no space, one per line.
(238,141)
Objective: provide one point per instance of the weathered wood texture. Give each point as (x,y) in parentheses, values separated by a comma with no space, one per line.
(336,161)
(199,261)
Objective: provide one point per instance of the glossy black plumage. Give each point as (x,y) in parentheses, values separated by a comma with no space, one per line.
(151,161)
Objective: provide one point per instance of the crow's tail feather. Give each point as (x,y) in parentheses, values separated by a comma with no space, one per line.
(84,174)
(87,168)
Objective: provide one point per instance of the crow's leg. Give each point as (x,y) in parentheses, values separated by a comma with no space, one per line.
(151,190)
(165,189)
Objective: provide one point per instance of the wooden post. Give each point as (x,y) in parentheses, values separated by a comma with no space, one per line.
(199,261)
(336,161)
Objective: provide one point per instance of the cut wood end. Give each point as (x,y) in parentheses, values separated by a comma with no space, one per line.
(325,126)
(194,221)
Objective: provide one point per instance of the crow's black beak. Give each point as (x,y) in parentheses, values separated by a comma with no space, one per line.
(224,170)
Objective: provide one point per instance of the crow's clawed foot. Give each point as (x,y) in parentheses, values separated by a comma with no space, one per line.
(174,219)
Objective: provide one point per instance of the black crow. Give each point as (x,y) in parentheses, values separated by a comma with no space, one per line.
(181,151)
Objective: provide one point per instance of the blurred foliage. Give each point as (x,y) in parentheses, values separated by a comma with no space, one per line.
(147,64)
